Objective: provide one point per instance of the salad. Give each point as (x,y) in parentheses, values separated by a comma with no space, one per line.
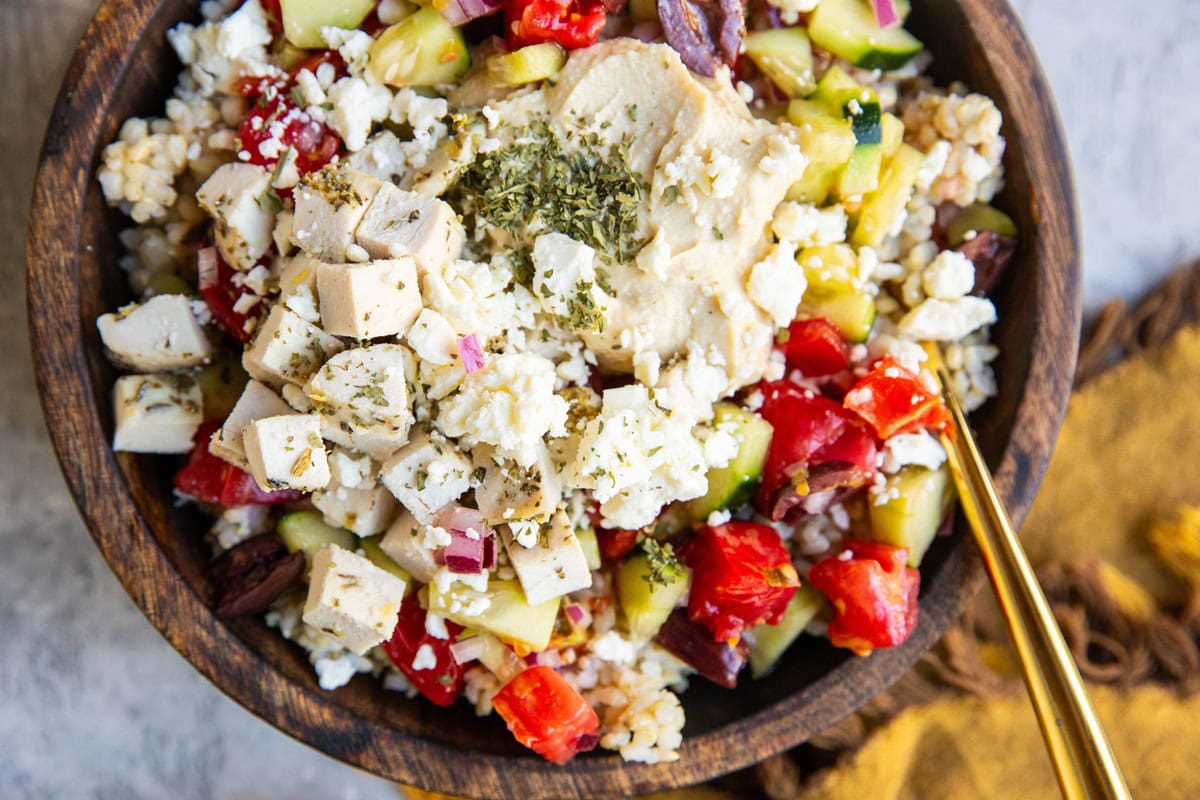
(547,355)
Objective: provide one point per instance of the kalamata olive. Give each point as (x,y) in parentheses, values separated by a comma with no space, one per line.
(824,483)
(705,33)
(249,577)
(693,644)
(991,253)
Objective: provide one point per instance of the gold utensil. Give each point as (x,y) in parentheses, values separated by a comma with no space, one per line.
(1083,760)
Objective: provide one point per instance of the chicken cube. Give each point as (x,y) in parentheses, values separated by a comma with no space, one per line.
(159,334)
(244,227)
(367,301)
(298,287)
(288,349)
(401,223)
(508,491)
(407,543)
(362,397)
(553,565)
(427,475)
(330,204)
(157,413)
(352,599)
(286,452)
(257,401)
(365,511)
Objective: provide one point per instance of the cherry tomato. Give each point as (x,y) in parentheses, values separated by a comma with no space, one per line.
(315,59)
(271,127)
(221,294)
(213,480)
(893,400)
(440,684)
(815,347)
(615,543)
(570,23)
(547,714)
(742,575)
(274,15)
(804,422)
(873,592)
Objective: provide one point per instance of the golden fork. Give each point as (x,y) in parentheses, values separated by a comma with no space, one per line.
(1082,757)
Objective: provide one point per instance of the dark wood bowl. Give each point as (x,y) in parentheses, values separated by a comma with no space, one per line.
(123,67)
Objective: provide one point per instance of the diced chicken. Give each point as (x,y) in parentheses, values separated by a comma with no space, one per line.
(365,511)
(298,287)
(351,470)
(330,204)
(426,475)
(288,349)
(160,334)
(432,338)
(362,397)
(156,413)
(243,226)
(405,542)
(555,565)
(352,599)
(286,452)
(400,223)
(511,492)
(367,301)
(257,402)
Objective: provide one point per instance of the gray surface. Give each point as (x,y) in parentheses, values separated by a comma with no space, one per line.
(96,704)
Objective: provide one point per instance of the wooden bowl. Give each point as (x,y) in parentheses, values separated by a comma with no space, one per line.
(123,67)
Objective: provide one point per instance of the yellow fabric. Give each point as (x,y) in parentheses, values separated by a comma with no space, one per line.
(1176,541)
(964,748)
(1126,455)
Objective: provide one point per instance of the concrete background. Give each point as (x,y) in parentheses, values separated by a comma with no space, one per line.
(96,704)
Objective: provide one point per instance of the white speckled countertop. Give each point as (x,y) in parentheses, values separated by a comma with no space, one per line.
(96,704)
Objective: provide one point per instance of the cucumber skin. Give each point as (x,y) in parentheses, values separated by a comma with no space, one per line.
(646,606)
(733,485)
(912,519)
(847,29)
(307,532)
(772,641)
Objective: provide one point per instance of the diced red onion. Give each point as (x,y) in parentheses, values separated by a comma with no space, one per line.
(885,13)
(546,658)
(580,617)
(470,352)
(489,552)
(460,12)
(471,549)
(463,555)
(458,518)
(206,266)
(468,650)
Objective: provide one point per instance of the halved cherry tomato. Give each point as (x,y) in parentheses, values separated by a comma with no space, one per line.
(440,684)
(873,592)
(274,15)
(815,347)
(271,127)
(547,714)
(570,23)
(212,480)
(315,59)
(221,294)
(893,400)
(615,543)
(742,575)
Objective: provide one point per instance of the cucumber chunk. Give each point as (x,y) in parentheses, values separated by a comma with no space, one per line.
(893,135)
(785,56)
(772,641)
(590,547)
(648,596)
(221,382)
(851,312)
(508,614)
(374,553)
(847,28)
(979,217)
(733,485)
(828,141)
(913,515)
(527,64)
(420,50)
(306,532)
(829,268)
(880,208)
(303,19)
(862,171)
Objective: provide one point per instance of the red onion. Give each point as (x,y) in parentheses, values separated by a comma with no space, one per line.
(580,617)
(546,658)
(885,13)
(460,12)
(206,266)
(470,352)
(471,549)
(468,650)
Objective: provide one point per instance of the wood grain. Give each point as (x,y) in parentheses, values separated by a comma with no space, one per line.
(122,67)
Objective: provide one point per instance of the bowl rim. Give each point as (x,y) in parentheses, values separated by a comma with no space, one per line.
(184,619)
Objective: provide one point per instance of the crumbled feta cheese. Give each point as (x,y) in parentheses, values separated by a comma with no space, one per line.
(655,257)
(424,659)
(351,470)
(612,647)
(809,226)
(950,276)
(918,448)
(777,283)
(352,599)
(357,106)
(718,518)
(564,281)
(157,413)
(947,320)
(783,157)
(362,397)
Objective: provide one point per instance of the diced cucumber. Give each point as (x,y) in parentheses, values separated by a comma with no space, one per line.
(306,532)
(893,135)
(164,282)
(829,268)
(732,485)
(221,382)
(303,19)
(828,141)
(847,28)
(861,174)
(880,208)
(836,88)
(643,11)
(589,545)
(772,641)
(648,596)
(420,50)
(785,56)
(918,500)
(851,312)
(374,553)
(508,615)
(841,95)
(979,217)
(527,64)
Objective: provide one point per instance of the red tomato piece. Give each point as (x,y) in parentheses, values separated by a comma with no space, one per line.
(316,58)
(804,423)
(440,684)
(815,347)
(272,126)
(221,294)
(742,575)
(570,23)
(212,480)
(893,400)
(615,543)
(873,592)
(274,15)
(547,715)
